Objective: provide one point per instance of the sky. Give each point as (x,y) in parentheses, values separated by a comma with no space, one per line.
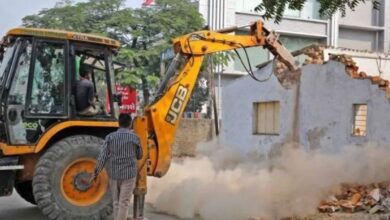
(12,11)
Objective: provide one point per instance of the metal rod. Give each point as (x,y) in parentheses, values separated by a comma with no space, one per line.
(216,119)
(138,207)
(219,101)
(215,110)
(12,167)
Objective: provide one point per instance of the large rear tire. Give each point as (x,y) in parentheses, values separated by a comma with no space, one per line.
(57,183)
(24,189)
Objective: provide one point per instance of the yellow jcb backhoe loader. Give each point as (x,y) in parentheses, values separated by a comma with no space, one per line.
(47,148)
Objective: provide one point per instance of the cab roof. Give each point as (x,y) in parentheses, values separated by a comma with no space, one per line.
(66,35)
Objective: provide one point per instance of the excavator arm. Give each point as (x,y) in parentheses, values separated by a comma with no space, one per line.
(208,42)
(157,128)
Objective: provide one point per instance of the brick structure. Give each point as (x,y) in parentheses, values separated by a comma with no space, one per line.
(190,133)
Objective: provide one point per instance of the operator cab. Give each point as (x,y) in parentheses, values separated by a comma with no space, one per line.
(39,72)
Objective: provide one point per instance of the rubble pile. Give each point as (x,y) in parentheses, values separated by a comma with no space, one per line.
(280,68)
(314,54)
(351,198)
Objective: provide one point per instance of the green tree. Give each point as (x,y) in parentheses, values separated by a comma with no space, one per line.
(86,17)
(151,32)
(274,9)
(144,33)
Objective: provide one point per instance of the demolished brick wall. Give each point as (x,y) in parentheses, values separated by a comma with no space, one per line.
(314,54)
(350,198)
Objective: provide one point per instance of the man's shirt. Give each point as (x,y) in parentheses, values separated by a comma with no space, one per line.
(84,94)
(121,149)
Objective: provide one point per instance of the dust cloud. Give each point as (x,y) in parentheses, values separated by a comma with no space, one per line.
(220,184)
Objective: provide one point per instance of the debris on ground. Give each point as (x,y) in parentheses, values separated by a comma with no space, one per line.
(372,198)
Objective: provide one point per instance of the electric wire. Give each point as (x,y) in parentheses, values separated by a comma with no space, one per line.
(248,70)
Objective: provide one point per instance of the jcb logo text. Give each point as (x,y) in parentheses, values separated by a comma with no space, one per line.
(177,104)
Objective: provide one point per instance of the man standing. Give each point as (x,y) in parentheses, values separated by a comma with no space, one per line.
(121,149)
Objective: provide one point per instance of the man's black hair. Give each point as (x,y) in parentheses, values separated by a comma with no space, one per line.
(85,70)
(124,120)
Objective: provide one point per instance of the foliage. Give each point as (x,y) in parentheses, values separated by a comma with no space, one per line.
(144,33)
(274,9)
(150,33)
(87,17)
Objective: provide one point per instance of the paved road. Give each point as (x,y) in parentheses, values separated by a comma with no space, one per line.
(15,208)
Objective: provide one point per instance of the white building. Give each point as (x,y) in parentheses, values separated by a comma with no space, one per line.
(364,29)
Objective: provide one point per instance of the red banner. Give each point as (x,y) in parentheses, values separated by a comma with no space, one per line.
(129,99)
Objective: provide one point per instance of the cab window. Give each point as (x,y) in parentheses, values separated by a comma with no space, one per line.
(47,91)
(5,59)
(20,129)
(93,59)
(18,90)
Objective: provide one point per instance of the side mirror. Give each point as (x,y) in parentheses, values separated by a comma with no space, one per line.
(118,99)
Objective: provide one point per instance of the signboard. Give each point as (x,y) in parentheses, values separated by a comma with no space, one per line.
(129,99)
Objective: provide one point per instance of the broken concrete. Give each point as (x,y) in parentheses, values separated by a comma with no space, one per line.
(372,199)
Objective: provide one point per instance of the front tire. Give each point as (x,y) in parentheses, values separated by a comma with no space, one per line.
(56,183)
